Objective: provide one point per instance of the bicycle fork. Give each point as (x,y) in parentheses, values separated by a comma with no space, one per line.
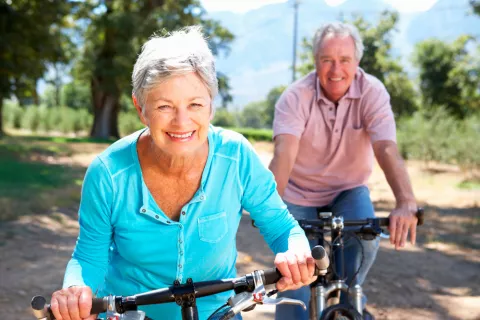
(320,293)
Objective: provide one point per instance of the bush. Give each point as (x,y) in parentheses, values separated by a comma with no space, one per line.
(440,137)
(31,119)
(224,118)
(47,119)
(12,113)
(467,148)
(255,134)
(54,119)
(129,122)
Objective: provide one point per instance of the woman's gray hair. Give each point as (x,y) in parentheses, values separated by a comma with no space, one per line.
(338,29)
(177,53)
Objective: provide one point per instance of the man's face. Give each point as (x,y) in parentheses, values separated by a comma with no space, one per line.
(336,66)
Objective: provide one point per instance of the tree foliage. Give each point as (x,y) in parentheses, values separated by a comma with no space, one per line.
(272,98)
(31,33)
(449,75)
(115,32)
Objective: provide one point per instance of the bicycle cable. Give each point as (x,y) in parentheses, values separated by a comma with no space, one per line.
(218,310)
(357,238)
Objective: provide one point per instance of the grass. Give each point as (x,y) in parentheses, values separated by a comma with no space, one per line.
(68,140)
(30,183)
(473,184)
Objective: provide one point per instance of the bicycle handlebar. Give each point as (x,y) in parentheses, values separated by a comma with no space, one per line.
(203,288)
(381,222)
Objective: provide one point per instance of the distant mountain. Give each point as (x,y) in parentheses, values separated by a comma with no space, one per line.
(261,55)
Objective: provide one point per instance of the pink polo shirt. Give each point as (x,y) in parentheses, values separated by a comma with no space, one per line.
(335,151)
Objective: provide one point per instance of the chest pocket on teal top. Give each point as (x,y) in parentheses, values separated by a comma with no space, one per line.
(213,228)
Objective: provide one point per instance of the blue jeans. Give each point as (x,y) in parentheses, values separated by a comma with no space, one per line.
(351,204)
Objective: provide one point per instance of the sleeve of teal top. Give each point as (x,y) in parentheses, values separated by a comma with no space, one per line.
(260,198)
(90,257)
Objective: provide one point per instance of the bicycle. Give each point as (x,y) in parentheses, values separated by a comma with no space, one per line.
(327,288)
(249,291)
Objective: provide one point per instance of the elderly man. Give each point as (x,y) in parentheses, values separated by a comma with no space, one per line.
(327,127)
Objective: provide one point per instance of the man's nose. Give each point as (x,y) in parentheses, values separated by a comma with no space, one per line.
(335,66)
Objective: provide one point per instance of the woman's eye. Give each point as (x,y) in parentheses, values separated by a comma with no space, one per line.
(196,105)
(164,108)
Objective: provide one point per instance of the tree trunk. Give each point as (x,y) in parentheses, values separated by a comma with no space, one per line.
(105,112)
(36,99)
(105,93)
(57,82)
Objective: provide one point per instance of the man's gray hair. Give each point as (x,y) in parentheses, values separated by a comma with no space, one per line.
(177,53)
(338,29)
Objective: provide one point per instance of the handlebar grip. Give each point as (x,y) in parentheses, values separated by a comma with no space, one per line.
(271,276)
(420,216)
(385,222)
(99,305)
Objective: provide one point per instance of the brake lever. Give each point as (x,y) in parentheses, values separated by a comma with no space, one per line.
(245,300)
(384,235)
(267,300)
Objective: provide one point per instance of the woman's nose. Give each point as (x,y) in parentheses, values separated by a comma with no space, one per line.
(181,116)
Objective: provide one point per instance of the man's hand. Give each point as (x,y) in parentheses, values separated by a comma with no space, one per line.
(297,269)
(403,219)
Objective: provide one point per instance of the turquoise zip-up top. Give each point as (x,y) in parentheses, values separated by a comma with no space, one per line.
(127,245)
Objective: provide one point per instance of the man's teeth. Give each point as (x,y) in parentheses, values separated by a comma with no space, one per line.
(336,79)
(185,135)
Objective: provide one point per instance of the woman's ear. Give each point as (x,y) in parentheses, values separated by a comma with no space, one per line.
(139,109)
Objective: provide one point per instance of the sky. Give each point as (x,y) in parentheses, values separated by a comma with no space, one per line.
(241,6)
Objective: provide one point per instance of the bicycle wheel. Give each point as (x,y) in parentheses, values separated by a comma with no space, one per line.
(341,312)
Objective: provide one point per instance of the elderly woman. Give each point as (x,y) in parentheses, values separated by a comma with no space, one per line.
(164,203)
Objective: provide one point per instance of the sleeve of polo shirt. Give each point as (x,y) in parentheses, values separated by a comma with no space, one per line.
(289,116)
(260,198)
(89,261)
(378,115)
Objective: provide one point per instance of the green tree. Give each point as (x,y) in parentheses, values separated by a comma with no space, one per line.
(449,76)
(253,115)
(224,118)
(224,89)
(377,61)
(305,57)
(475,6)
(48,97)
(29,30)
(76,95)
(270,102)
(116,30)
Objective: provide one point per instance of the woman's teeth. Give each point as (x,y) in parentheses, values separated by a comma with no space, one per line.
(181,136)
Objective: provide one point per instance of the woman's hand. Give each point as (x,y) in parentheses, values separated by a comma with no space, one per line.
(73,303)
(297,268)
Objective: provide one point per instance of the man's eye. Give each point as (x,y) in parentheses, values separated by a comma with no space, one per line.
(164,107)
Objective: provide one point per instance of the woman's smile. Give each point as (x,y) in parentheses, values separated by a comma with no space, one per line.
(181,136)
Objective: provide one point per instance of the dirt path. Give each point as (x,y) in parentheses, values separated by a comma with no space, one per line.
(438,279)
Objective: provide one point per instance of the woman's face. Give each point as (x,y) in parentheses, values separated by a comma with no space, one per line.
(178,113)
